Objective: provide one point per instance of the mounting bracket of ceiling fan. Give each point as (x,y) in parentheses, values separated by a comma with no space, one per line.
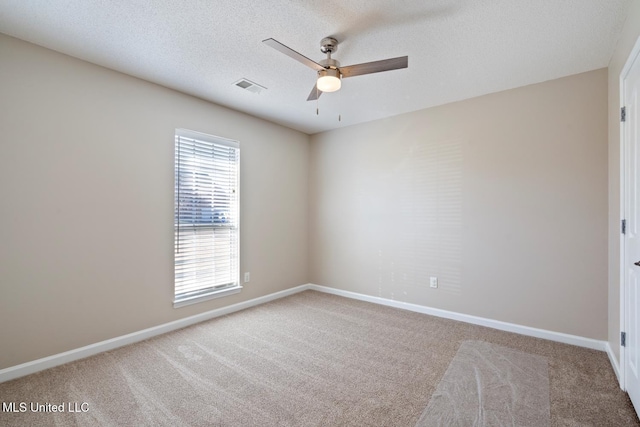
(328,45)
(329,71)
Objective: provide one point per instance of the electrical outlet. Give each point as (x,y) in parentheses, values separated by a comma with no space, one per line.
(247,277)
(433,282)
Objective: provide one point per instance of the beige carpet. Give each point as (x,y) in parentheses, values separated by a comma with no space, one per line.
(311,359)
(490,385)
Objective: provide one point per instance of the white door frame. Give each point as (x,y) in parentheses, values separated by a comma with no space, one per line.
(623,157)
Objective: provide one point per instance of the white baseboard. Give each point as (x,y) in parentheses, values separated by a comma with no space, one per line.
(614,362)
(495,324)
(93,349)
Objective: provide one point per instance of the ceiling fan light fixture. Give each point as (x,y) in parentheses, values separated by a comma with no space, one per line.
(329,80)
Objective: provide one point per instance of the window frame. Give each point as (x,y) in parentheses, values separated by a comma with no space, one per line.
(207,293)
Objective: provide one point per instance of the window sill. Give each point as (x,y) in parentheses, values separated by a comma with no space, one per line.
(211,295)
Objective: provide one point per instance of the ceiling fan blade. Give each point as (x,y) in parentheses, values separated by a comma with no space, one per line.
(375,66)
(314,94)
(293,54)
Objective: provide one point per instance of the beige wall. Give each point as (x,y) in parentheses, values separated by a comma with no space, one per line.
(630,33)
(503,197)
(86,202)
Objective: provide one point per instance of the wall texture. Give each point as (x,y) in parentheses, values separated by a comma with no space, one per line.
(502,197)
(86,211)
(630,33)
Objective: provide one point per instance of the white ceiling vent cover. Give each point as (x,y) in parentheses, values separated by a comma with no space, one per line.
(250,86)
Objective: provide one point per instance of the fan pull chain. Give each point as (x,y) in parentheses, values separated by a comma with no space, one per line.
(340,102)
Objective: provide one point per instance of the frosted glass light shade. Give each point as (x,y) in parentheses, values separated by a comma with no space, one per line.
(329,80)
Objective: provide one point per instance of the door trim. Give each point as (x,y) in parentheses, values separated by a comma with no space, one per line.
(635,52)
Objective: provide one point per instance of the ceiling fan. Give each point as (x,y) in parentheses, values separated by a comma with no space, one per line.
(329,70)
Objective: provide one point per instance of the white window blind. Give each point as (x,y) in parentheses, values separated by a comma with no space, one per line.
(206,217)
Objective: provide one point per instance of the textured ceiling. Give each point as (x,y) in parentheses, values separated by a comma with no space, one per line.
(457,48)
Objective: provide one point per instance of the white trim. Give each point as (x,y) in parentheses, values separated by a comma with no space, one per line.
(192,134)
(93,349)
(211,295)
(495,324)
(623,302)
(621,248)
(613,360)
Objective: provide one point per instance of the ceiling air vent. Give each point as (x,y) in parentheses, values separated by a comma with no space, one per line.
(249,85)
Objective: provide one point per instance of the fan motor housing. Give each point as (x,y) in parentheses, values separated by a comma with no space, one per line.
(329,63)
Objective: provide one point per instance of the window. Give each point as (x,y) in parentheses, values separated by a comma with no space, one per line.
(206,217)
